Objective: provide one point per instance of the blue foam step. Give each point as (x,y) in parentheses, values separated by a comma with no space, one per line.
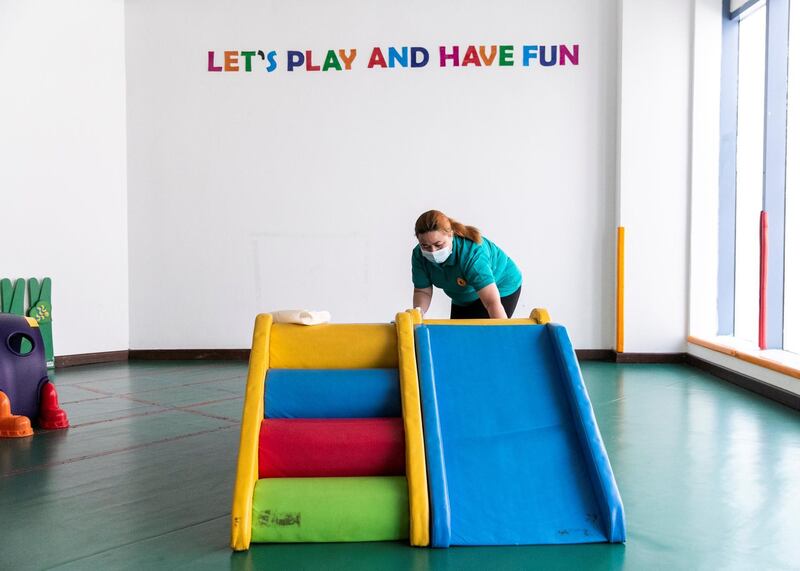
(332,393)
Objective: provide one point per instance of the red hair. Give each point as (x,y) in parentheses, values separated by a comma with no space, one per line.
(433,220)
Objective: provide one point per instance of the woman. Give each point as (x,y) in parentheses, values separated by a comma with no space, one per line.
(480,279)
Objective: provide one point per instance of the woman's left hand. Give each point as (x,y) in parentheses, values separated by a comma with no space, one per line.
(490,297)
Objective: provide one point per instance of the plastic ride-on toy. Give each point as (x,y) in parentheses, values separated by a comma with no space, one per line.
(27,397)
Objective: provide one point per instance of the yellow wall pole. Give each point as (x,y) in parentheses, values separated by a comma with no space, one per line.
(620,289)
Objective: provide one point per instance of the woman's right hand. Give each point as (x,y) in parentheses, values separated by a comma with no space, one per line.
(422,299)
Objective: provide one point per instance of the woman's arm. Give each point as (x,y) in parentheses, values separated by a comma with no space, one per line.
(422,298)
(490,296)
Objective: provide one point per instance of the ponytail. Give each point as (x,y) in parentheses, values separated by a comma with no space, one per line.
(433,220)
(469,232)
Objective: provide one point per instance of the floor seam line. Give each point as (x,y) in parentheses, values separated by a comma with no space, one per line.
(144,539)
(22,471)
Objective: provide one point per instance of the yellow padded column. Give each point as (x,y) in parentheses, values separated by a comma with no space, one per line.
(540,316)
(252,415)
(416,315)
(419,515)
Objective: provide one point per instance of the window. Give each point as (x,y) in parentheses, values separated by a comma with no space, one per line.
(759,234)
(791,303)
(749,171)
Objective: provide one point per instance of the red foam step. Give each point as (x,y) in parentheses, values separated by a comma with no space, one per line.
(310,447)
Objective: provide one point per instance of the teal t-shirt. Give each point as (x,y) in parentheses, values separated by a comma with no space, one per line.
(469,268)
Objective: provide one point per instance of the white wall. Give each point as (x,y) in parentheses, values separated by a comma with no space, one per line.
(654,173)
(255,192)
(63,163)
(705,168)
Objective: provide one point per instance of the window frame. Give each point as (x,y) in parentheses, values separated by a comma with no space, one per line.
(771,308)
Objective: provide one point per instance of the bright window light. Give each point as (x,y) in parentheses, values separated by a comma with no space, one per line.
(749,171)
(791,287)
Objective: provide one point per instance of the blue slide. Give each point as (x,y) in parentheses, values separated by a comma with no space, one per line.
(513,450)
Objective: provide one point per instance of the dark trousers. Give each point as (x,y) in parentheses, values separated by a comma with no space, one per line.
(476,309)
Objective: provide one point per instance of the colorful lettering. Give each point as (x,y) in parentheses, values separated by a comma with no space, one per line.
(348,61)
(553,56)
(417,62)
(247,56)
(471,57)
(331,61)
(231,61)
(310,66)
(444,56)
(400,57)
(294,59)
(211,66)
(506,55)
(529,53)
(376,59)
(488,60)
(564,53)
(270,57)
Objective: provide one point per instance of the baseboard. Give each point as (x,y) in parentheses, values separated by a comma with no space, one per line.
(244,355)
(188,354)
(751,384)
(594,354)
(650,357)
(91,358)
(614,357)
(766,390)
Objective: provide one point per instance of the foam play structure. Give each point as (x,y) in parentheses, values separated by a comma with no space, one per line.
(27,397)
(468,432)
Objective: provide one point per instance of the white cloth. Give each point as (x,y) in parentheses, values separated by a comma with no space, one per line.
(301,316)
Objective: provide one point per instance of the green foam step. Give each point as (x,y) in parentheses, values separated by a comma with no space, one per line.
(330,509)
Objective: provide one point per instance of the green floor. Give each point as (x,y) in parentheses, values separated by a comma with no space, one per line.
(709,475)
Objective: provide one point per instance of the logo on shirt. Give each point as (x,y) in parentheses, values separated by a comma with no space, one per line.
(461,281)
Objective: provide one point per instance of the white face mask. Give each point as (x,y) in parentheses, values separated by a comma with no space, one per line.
(437,256)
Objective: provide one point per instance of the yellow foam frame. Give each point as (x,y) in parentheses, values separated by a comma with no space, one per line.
(539,316)
(416,474)
(253,413)
(339,346)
